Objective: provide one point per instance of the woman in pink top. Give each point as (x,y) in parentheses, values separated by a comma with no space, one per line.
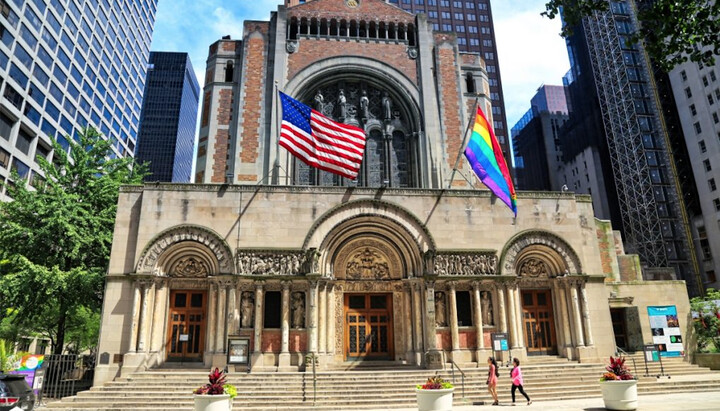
(517,381)
(492,379)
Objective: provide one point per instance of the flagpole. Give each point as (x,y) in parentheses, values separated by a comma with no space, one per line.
(276,167)
(457,160)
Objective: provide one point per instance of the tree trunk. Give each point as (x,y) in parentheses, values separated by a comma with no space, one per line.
(60,342)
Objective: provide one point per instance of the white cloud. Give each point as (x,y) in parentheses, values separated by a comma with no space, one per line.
(530,51)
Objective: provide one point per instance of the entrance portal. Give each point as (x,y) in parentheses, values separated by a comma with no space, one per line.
(538,322)
(186,327)
(368,327)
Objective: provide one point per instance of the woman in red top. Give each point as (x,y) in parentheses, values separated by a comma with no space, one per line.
(517,381)
(492,379)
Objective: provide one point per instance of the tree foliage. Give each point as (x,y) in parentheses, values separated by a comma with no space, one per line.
(707,323)
(55,240)
(672,31)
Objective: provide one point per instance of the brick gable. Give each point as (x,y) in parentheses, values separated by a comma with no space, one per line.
(368,10)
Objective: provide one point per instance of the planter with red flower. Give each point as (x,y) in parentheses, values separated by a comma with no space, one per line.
(435,395)
(619,387)
(216,395)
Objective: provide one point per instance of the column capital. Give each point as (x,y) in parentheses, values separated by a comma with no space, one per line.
(430,284)
(144,283)
(285,284)
(259,285)
(452,285)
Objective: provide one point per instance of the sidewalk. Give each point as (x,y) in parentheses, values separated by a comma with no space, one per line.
(670,402)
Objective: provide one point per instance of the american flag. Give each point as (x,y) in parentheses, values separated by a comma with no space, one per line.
(320,142)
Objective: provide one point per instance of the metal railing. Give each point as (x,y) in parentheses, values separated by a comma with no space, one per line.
(462,375)
(312,357)
(67,374)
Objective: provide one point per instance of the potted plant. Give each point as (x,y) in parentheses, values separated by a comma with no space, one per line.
(619,387)
(435,395)
(216,395)
(706,329)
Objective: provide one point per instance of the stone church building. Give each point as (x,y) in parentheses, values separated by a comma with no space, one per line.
(393,267)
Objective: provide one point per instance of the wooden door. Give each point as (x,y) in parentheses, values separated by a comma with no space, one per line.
(368,326)
(538,323)
(186,327)
(619,325)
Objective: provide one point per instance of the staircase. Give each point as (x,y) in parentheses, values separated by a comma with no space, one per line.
(546,378)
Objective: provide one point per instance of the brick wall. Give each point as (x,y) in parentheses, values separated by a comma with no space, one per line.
(219,160)
(450,105)
(253,91)
(367,10)
(312,50)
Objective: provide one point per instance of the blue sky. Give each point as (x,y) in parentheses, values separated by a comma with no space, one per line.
(529,49)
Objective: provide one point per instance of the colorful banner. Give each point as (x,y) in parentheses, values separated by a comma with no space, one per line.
(665,328)
(28,366)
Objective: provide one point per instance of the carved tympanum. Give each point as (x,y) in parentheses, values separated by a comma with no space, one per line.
(533,268)
(190,267)
(367,264)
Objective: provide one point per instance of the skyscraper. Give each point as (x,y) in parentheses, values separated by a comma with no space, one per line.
(169,117)
(65,65)
(472,21)
(616,114)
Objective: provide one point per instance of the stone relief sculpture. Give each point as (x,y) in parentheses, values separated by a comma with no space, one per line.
(533,268)
(247,308)
(298,310)
(440,309)
(269,263)
(319,102)
(387,106)
(364,105)
(368,264)
(487,308)
(465,264)
(342,104)
(312,259)
(190,267)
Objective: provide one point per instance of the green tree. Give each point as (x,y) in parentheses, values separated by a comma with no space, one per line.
(672,31)
(55,240)
(707,323)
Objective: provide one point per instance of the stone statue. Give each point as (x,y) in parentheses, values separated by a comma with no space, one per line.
(313,260)
(487,309)
(440,317)
(247,307)
(387,106)
(298,310)
(364,105)
(319,102)
(342,102)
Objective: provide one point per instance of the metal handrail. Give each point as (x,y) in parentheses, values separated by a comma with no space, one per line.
(462,375)
(619,351)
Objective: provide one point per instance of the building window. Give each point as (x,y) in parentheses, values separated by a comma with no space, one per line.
(706,164)
(705,81)
(716,119)
(273,303)
(683,75)
(4,158)
(712,76)
(711,184)
(703,147)
(716,202)
(464,308)
(688,93)
(711,276)
(229,72)
(711,101)
(693,111)
(698,129)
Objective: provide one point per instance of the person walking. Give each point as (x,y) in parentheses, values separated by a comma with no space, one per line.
(493,374)
(517,381)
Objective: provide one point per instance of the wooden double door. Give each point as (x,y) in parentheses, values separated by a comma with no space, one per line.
(368,327)
(538,322)
(187,325)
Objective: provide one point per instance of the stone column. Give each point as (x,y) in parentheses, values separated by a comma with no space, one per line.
(407,320)
(557,316)
(477,318)
(586,316)
(416,289)
(159,318)
(258,326)
(145,286)
(233,313)
(501,305)
(454,333)
(322,318)
(312,310)
(577,317)
(284,359)
(137,295)
(330,349)
(430,339)
(519,318)
(512,314)
(212,303)
(220,318)
(565,314)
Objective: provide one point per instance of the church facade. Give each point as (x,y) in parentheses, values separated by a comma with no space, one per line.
(402,265)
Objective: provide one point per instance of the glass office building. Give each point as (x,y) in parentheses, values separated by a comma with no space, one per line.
(67,64)
(169,117)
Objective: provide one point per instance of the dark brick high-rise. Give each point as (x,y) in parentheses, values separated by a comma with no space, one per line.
(169,118)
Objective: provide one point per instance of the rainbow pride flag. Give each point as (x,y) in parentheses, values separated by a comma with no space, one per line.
(487,161)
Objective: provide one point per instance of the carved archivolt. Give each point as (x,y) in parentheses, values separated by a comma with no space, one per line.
(463,263)
(195,250)
(557,256)
(271,262)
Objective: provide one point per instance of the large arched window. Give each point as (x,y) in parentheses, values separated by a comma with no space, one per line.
(390,158)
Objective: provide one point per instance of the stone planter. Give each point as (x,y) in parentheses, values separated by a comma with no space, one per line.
(213,402)
(709,360)
(620,395)
(435,400)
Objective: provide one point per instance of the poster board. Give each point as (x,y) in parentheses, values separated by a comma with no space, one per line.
(665,329)
(28,366)
(238,349)
(499,341)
